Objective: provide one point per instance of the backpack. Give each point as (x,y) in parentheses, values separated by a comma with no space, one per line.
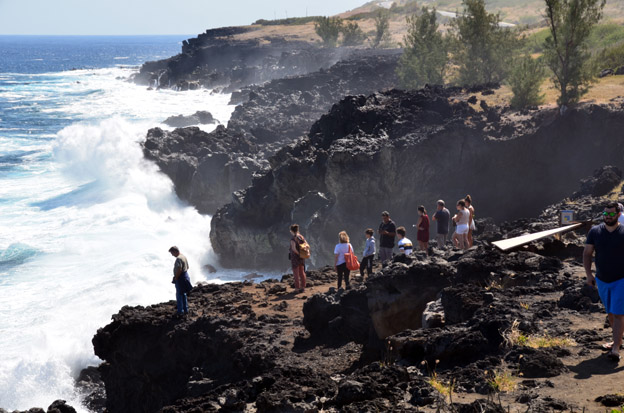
(304,248)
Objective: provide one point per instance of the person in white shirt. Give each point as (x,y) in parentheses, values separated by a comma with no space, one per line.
(405,245)
(342,248)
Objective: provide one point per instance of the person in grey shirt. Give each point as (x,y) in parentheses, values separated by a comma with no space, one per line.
(442,216)
(387,233)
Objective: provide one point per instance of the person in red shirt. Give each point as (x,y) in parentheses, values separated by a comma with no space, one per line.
(423,229)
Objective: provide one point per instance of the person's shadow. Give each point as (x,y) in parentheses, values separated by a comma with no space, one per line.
(600,365)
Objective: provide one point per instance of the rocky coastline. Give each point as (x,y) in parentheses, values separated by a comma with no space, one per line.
(216,60)
(321,137)
(385,345)
(207,168)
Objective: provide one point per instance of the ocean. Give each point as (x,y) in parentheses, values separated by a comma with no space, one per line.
(86,221)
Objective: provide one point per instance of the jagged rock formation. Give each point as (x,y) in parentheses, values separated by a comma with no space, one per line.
(207,168)
(398,149)
(200,117)
(59,406)
(214,59)
(363,348)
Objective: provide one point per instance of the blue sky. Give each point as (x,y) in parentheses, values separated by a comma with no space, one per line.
(125,17)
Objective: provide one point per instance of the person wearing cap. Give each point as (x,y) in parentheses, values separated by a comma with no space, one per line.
(181,280)
(387,232)
(607,241)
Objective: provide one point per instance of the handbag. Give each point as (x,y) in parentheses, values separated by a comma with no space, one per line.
(351,260)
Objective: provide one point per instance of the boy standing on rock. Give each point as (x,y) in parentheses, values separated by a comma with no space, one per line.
(181,280)
(607,240)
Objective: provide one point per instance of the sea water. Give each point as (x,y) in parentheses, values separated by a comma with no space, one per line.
(86,221)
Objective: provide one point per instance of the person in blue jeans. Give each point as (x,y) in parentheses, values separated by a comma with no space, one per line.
(368,254)
(181,280)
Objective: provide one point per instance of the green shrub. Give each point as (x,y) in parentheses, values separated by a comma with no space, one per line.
(328,29)
(352,34)
(525,80)
(483,50)
(382,29)
(611,58)
(425,55)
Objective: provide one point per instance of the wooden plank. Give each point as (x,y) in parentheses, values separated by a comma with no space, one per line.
(507,244)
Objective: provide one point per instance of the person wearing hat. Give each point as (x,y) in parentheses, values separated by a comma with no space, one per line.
(181,280)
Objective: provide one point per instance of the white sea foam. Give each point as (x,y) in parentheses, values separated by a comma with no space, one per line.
(88,223)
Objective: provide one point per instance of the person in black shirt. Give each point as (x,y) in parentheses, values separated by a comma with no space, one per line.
(387,232)
(607,240)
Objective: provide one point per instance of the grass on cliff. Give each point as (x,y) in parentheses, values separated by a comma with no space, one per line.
(445,389)
(514,337)
(503,381)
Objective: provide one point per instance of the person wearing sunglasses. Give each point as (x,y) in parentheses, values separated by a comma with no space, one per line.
(607,241)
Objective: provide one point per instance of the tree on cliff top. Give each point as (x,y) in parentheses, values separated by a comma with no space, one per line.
(382,29)
(328,29)
(425,55)
(483,49)
(352,34)
(565,50)
(525,80)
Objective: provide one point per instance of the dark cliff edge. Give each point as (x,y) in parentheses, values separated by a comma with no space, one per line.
(207,168)
(398,149)
(364,349)
(215,59)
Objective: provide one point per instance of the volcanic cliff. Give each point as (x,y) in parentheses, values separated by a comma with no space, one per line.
(207,168)
(398,149)
(461,317)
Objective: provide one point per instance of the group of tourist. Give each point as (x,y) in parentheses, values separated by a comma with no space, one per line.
(388,232)
(605,240)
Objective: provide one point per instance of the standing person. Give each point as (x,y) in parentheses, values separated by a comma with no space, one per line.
(387,232)
(298,263)
(607,240)
(181,280)
(621,218)
(471,223)
(442,216)
(461,219)
(369,253)
(423,229)
(342,248)
(404,244)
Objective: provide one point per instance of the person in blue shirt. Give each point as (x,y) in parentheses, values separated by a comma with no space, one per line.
(607,241)
(369,253)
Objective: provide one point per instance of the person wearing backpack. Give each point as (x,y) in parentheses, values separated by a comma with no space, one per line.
(298,252)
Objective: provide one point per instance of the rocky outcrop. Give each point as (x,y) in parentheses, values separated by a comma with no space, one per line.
(59,406)
(200,117)
(363,347)
(399,149)
(215,59)
(207,168)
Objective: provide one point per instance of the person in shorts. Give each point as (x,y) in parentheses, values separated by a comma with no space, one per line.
(461,219)
(607,241)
